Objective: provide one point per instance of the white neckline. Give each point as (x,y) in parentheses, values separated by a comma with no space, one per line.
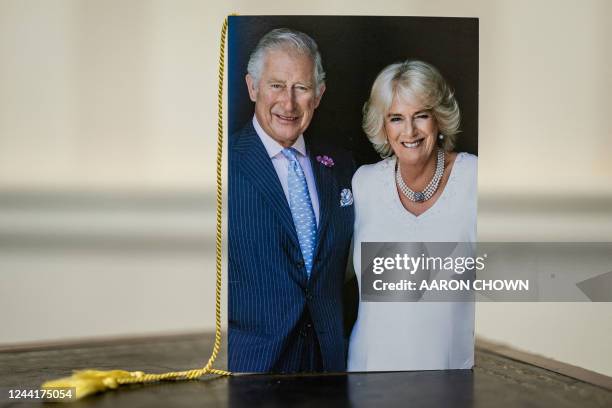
(435,208)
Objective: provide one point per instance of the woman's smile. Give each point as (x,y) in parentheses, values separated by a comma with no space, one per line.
(412,145)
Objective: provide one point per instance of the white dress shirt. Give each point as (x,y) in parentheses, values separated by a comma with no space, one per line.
(281,164)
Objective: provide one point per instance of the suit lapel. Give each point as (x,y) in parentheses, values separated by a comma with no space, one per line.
(326,189)
(256,165)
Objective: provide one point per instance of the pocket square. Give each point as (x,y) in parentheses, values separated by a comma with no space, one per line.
(346,198)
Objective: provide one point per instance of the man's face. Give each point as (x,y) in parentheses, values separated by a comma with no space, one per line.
(285,96)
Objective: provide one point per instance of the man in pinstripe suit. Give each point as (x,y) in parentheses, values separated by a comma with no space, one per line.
(290,219)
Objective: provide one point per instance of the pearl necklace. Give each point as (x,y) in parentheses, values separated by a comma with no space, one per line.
(420,196)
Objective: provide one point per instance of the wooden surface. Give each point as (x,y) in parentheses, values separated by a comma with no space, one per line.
(495,381)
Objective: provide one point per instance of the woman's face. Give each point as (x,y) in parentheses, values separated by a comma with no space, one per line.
(411,130)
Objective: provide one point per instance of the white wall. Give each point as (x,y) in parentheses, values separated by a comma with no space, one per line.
(115,101)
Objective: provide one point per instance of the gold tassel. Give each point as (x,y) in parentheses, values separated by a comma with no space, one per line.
(88,382)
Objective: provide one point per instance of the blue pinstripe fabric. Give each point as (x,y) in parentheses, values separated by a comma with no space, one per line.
(270,295)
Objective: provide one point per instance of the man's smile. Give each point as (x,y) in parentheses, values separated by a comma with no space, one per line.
(287,119)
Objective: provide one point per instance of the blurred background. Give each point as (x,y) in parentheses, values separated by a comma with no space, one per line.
(107,158)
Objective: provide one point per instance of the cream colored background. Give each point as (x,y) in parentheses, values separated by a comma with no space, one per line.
(107,145)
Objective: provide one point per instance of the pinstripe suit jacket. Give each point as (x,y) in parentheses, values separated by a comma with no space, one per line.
(269,291)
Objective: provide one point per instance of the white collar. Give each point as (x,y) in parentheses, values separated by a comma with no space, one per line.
(272,146)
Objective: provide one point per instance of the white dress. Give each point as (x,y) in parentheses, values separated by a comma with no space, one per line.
(400,336)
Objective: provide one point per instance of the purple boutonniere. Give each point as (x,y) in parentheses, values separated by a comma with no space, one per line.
(326,161)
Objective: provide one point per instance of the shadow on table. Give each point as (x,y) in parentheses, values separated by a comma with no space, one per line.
(424,389)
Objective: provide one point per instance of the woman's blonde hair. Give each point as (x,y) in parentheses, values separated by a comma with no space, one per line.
(410,80)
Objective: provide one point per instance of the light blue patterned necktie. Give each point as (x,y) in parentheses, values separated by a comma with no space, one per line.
(301,208)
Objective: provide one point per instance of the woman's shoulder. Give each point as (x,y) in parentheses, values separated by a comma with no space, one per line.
(370,182)
(369,172)
(468,157)
(467,161)
(465,174)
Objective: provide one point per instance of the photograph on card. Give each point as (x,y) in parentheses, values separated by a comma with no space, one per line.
(345,130)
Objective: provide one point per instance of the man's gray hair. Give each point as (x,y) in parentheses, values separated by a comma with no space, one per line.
(280,38)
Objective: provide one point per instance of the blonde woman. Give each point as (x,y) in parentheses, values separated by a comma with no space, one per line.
(422,191)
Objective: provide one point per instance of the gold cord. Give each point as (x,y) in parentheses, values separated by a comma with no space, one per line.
(207,369)
(89,382)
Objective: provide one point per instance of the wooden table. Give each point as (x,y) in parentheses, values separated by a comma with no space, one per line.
(495,381)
